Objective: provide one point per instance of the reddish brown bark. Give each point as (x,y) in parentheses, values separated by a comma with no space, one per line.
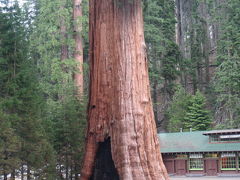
(120,106)
(78,52)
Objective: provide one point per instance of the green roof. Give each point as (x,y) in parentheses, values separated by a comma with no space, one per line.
(192,142)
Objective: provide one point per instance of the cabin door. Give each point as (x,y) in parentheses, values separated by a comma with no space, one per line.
(169,164)
(181,166)
(211,167)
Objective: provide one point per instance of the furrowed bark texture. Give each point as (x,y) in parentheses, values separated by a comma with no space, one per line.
(120,105)
(78,52)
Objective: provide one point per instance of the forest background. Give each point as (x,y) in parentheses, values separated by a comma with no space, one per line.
(193,49)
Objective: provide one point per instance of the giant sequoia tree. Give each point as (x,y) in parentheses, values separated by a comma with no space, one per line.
(120,115)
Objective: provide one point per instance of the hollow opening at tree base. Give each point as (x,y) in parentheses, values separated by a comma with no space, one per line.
(104,168)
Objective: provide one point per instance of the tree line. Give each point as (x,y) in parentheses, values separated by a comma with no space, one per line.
(193,53)
(42,117)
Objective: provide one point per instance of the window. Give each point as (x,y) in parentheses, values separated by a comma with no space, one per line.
(214,138)
(196,162)
(224,138)
(228,161)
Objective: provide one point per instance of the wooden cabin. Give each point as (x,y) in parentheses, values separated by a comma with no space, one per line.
(200,153)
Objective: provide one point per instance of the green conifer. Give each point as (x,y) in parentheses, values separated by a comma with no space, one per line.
(197,116)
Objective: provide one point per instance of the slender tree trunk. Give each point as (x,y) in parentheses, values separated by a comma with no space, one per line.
(71,171)
(178,24)
(199,77)
(78,52)
(76,170)
(206,52)
(67,167)
(64,54)
(28,173)
(63,31)
(22,172)
(120,107)
(64,46)
(13,174)
(4,175)
(61,171)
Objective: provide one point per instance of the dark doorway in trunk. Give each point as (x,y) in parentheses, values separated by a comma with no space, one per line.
(104,166)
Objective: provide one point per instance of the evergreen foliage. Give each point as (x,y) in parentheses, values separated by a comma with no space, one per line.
(42,121)
(197,116)
(178,109)
(197,39)
(9,146)
(163,53)
(188,111)
(19,96)
(227,79)
(63,115)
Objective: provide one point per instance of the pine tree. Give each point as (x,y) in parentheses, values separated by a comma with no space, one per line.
(10,147)
(188,111)
(197,116)
(178,109)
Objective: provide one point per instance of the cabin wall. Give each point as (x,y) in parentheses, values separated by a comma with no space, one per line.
(211,166)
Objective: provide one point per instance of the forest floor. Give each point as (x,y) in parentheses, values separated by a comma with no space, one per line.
(204,178)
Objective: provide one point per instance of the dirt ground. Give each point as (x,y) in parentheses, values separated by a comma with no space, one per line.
(205,178)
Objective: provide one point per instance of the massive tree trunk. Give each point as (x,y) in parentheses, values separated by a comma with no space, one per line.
(78,52)
(120,107)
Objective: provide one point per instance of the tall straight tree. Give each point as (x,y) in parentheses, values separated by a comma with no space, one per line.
(120,107)
(78,52)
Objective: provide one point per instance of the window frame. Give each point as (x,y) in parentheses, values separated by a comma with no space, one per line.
(199,161)
(229,162)
(218,139)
